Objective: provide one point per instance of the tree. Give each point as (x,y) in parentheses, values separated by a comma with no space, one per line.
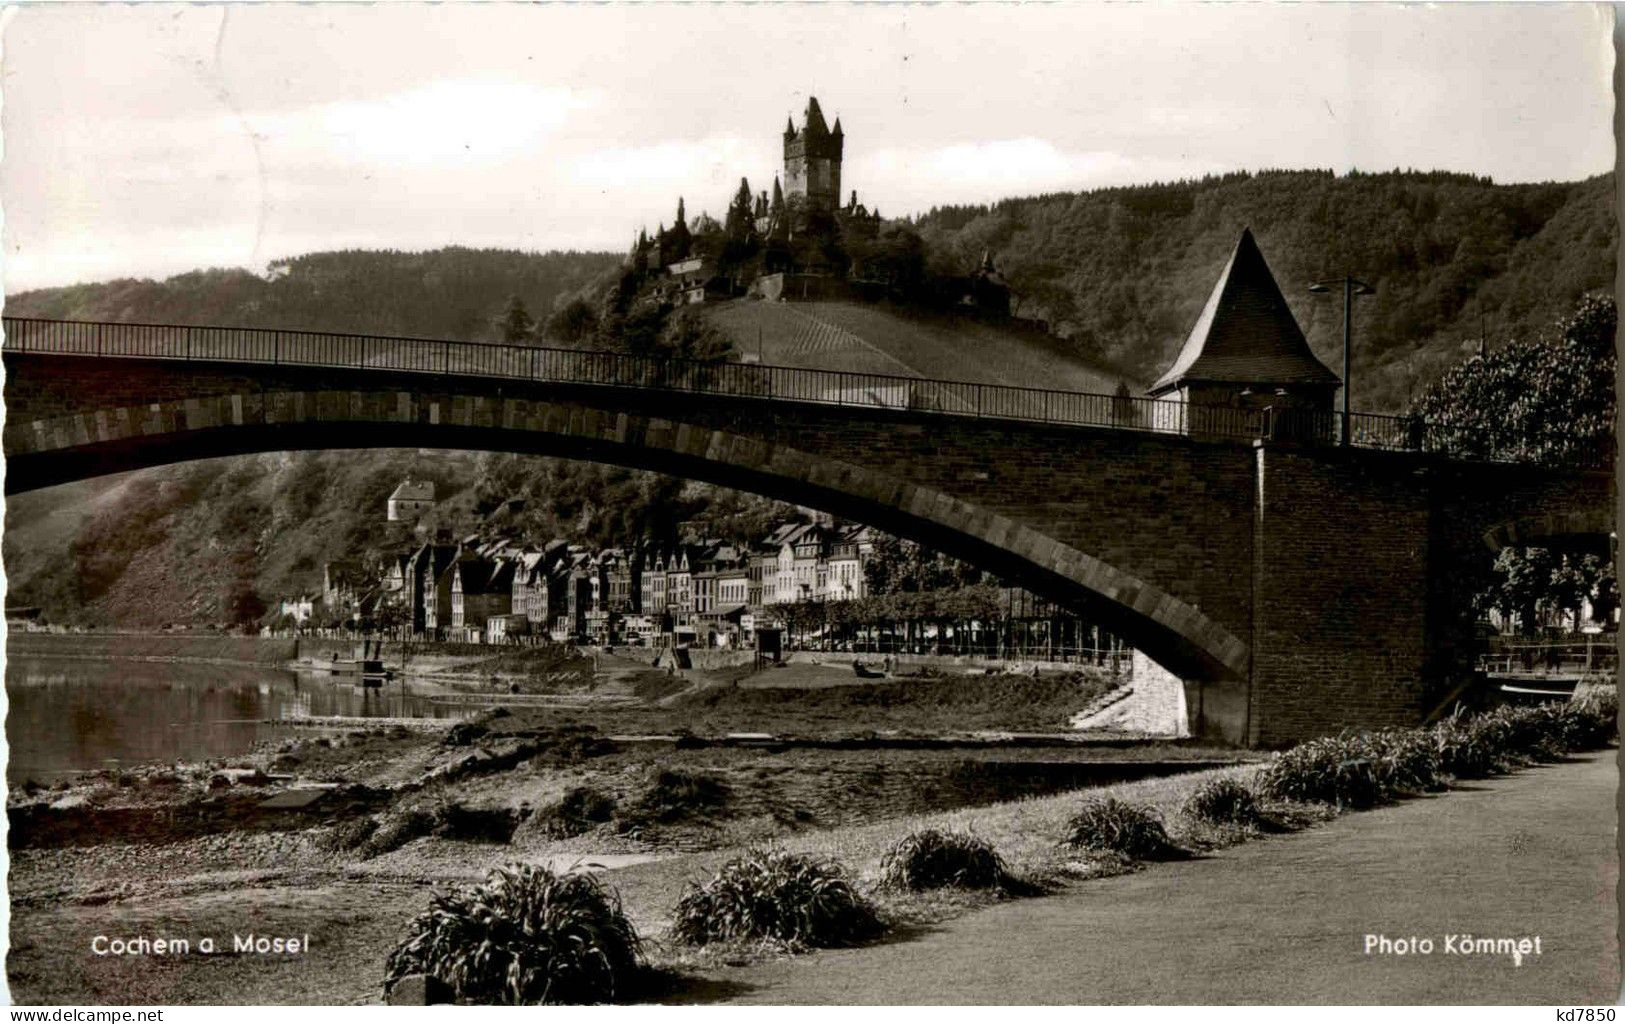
(689,335)
(741,217)
(1549,400)
(243,607)
(572,322)
(515,325)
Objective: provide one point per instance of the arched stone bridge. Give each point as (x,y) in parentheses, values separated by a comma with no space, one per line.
(1298,589)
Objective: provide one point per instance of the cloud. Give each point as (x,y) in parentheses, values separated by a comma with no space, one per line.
(984,171)
(445,121)
(674,164)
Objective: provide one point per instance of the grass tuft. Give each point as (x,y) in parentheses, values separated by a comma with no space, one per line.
(1224,802)
(524,936)
(933,859)
(1115,826)
(776,895)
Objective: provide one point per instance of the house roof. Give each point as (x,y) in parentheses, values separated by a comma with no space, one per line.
(480,576)
(413,490)
(1246,333)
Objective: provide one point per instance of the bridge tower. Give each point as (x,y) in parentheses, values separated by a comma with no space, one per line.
(1248,352)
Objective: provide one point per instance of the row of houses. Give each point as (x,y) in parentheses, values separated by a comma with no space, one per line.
(481,590)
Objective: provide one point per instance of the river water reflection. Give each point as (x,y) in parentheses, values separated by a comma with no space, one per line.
(70,715)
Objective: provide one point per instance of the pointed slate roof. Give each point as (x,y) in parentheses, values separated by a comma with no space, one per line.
(816,125)
(1246,333)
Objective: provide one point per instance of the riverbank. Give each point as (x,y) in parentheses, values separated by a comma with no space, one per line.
(154,647)
(344,832)
(356,907)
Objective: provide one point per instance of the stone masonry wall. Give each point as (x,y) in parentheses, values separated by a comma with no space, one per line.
(1340,594)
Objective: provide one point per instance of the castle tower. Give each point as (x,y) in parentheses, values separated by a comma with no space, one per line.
(812,162)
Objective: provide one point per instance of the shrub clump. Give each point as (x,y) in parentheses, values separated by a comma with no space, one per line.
(350,833)
(1594,721)
(932,859)
(449,821)
(1364,769)
(1354,770)
(464,733)
(475,824)
(773,894)
(1224,802)
(1405,760)
(675,795)
(524,936)
(1467,749)
(1116,826)
(581,809)
(396,830)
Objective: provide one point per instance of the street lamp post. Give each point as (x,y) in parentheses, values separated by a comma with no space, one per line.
(1352,286)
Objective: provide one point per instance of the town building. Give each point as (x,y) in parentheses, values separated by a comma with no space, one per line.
(680,590)
(410,500)
(848,553)
(480,589)
(299,609)
(424,569)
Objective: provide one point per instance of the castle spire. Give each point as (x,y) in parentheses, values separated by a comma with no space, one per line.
(837,130)
(816,124)
(789,127)
(681,218)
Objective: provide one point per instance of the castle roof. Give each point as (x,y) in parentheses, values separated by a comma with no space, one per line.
(815,124)
(1246,333)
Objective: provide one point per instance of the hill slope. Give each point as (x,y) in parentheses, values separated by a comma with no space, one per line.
(860,338)
(447,293)
(1123,272)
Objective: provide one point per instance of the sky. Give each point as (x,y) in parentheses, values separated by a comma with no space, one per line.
(147,140)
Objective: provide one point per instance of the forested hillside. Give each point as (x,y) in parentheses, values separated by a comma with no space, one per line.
(1123,272)
(448,293)
(218,541)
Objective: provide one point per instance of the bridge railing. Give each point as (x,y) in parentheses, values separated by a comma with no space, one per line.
(1597,653)
(271,347)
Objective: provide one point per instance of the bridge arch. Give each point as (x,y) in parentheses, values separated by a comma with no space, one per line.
(1589,522)
(57,449)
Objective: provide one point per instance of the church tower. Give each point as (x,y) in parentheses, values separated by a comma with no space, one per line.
(812,163)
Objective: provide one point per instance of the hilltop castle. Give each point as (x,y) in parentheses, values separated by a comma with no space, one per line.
(812,164)
(799,240)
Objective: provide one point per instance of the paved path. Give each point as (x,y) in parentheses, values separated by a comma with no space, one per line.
(1283,920)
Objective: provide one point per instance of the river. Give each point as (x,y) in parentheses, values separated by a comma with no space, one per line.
(72,714)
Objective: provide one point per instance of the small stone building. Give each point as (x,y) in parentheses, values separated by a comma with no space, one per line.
(410,500)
